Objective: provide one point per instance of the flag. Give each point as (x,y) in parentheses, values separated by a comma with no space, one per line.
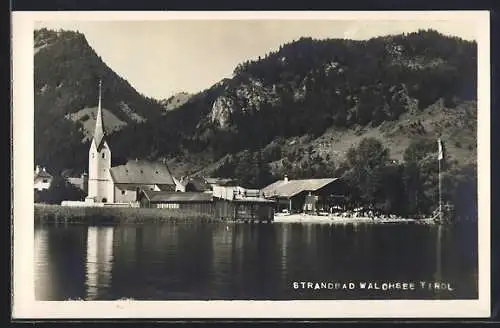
(440,150)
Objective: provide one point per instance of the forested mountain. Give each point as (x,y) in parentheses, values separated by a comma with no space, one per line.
(175,101)
(304,110)
(66,78)
(311,87)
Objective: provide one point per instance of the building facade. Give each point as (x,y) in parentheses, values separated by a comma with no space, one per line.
(100,183)
(120,184)
(306,195)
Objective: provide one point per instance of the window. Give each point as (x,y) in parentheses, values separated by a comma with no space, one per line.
(104,200)
(45,180)
(93,155)
(103,154)
(123,192)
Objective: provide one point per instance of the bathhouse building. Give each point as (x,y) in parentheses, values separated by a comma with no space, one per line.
(306,195)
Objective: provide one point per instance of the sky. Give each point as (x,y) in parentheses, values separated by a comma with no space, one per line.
(160,58)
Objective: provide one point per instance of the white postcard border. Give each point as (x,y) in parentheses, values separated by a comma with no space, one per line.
(24,304)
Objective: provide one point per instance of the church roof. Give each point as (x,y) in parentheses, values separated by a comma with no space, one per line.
(142,172)
(99,132)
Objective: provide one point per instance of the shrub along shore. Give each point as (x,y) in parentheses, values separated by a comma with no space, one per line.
(113,215)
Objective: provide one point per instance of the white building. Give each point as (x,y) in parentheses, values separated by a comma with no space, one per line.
(234,192)
(120,184)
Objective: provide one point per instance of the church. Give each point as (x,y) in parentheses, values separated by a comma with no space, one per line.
(121,184)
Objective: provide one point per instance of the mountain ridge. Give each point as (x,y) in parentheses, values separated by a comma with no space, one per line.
(66,78)
(304,88)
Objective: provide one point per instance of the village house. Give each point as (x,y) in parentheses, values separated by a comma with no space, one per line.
(308,195)
(42,179)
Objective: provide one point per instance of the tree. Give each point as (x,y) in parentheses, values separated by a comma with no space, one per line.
(367,162)
(412,184)
(419,149)
(460,189)
(421,176)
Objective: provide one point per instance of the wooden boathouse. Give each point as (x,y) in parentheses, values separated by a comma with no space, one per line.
(261,210)
(227,203)
(240,204)
(199,202)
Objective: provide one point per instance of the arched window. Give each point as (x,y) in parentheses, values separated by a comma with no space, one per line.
(104,200)
(103,154)
(93,155)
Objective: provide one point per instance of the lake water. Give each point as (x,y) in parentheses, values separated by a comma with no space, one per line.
(195,261)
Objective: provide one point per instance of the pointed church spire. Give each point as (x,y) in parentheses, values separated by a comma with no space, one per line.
(99,126)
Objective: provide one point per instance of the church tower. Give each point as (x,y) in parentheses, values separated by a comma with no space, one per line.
(100,184)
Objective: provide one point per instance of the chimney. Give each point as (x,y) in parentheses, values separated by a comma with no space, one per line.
(285,178)
(43,169)
(37,169)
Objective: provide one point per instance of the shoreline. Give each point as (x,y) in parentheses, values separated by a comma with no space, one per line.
(44,213)
(335,219)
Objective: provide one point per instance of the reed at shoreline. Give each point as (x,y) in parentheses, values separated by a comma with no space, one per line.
(114,215)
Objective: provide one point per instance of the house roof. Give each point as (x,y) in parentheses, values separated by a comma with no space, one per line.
(252,200)
(131,186)
(74,181)
(218,180)
(290,188)
(177,197)
(165,187)
(142,173)
(43,174)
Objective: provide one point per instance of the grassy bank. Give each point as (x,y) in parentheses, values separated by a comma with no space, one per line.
(113,215)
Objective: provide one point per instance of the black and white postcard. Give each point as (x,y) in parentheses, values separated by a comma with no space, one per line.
(251,164)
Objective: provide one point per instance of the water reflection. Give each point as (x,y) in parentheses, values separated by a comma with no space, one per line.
(45,275)
(59,255)
(178,261)
(285,239)
(99,261)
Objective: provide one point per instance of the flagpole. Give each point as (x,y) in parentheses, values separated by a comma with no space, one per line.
(440,157)
(440,202)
